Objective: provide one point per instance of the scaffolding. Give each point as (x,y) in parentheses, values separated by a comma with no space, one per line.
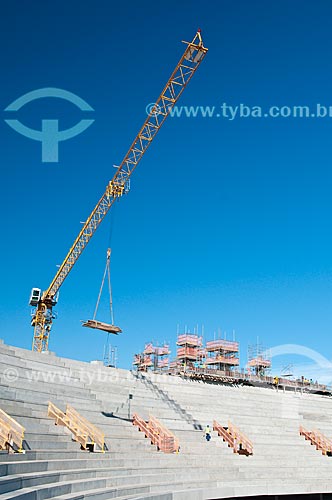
(153,357)
(142,362)
(222,355)
(110,355)
(259,360)
(189,352)
(216,361)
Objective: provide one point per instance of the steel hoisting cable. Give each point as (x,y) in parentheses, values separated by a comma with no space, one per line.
(102,282)
(109,251)
(110,286)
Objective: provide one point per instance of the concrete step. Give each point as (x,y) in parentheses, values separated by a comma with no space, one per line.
(51,490)
(118,476)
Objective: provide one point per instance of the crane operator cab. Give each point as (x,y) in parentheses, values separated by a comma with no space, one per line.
(35,297)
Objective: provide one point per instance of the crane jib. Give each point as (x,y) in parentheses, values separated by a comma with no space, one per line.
(183,72)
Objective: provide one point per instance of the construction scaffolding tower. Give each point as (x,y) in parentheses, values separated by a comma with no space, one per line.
(189,352)
(142,362)
(259,360)
(222,355)
(153,357)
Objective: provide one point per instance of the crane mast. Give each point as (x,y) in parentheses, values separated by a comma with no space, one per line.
(191,59)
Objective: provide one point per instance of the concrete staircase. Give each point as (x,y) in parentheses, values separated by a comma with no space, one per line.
(55,467)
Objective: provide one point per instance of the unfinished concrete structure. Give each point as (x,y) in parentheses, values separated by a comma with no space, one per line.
(54,466)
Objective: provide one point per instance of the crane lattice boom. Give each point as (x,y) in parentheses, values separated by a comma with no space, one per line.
(188,64)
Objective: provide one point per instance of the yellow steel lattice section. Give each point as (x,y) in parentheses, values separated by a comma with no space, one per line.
(185,69)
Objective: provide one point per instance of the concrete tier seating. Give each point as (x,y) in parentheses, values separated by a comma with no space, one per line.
(53,467)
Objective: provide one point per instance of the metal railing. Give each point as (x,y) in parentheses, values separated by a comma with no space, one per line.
(235,376)
(317,439)
(158,434)
(84,432)
(235,438)
(11,434)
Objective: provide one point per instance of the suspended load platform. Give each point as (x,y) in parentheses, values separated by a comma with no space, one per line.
(99,325)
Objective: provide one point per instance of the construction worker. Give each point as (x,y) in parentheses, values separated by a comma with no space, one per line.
(207,433)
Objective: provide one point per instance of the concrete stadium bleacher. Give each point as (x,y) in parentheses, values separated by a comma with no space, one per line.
(55,467)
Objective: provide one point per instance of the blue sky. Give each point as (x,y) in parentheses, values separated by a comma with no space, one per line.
(227,223)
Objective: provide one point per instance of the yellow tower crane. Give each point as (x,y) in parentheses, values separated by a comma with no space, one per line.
(44,302)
